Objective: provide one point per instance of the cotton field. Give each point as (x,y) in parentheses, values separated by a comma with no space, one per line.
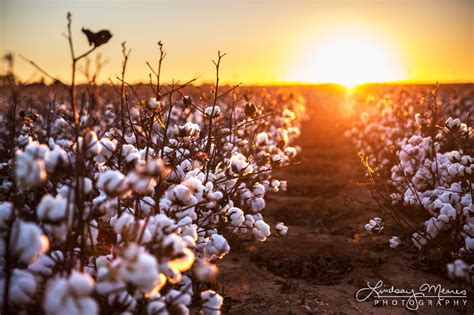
(203,197)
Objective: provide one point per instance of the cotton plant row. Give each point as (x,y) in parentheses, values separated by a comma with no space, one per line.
(420,159)
(126,206)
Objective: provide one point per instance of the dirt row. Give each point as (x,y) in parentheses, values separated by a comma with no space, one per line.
(326,257)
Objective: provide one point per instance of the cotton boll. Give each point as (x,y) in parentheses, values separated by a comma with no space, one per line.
(6,215)
(261,230)
(258,204)
(22,288)
(123,223)
(457,270)
(239,165)
(45,265)
(36,150)
(259,190)
(469,243)
(213,111)
(216,247)
(107,149)
(205,271)
(142,270)
(182,195)
(141,185)
(211,302)
(236,216)
(29,242)
(70,295)
(113,183)
(419,240)
(282,229)
(147,204)
(52,209)
(154,104)
(374,226)
(130,153)
(29,172)
(54,158)
(394,241)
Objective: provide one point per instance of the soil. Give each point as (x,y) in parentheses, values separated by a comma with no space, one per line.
(327,256)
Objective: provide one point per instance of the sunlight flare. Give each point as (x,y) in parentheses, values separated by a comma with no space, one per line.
(348,58)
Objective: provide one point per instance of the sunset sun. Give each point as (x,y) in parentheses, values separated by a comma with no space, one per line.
(348,59)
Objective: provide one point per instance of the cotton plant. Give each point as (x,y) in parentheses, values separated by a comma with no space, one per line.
(157,202)
(423,161)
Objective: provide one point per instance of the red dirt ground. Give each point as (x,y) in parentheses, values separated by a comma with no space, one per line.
(327,256)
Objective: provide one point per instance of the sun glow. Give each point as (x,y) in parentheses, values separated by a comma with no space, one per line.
(349,59)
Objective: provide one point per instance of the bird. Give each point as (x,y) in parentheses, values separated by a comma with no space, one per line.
(99,38)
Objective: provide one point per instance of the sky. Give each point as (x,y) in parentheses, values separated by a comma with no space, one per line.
(267,42)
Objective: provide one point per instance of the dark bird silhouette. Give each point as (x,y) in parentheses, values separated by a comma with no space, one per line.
(97,39)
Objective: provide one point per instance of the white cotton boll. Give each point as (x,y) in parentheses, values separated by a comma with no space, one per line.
(153,104)
(458,269)
(183,195)
(156,307)
(216,247)
(453,169)
(419,240)
(154,167)
(258,204)
(6,211)
(44,266)
(23,140)
(107,149)
(195,186)
(130,153)
(261,139)
(52,209)
(448,210)
(433,227)
(261,230)
(123,223)
(141,185)
(36,150)
(281,229)
(87,185)
(205,271)
(239,165)
(179,299)
(29,242)
(249,221)
(189,129)
(190,231)
(147,204)
(70,295)
(275,185)
(22,288)
(374,226)
(142,271)
(469,243)
(54,158)
(394,241)
(236,216)
(259,190)
(211,302)
(81,283)
(453,123)
(113,182)
(29,172)
(213,111)
(276,158)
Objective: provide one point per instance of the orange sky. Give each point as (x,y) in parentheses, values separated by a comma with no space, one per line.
(266,41)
